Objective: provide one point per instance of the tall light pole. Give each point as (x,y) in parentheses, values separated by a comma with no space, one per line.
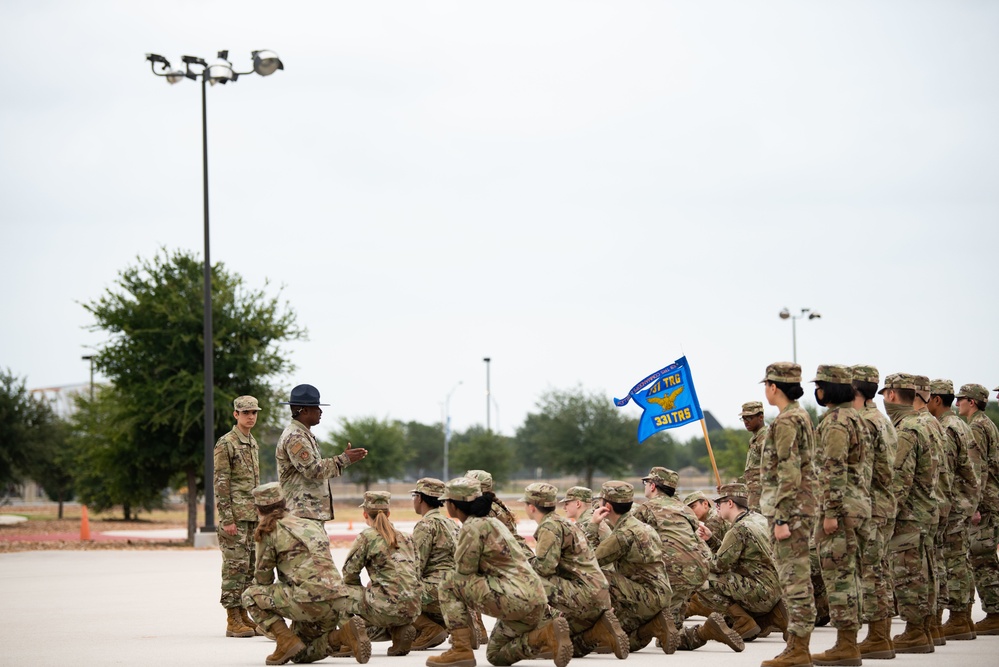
(447,429)
(785,314)
(265,63)
(90,358)
(488,423)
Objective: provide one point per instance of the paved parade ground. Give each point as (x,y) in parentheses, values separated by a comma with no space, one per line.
(160,607)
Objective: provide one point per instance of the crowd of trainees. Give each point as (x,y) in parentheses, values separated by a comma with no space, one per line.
(608,584)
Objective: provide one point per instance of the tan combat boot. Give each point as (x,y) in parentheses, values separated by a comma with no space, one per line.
(775,619)
(659,627)
(743,623)
(877,644)
(429,634)
(459,655)
(552,637)
(714,628)
(481,635)
(795,654)
(606,636)
(844,651)
(288,644)
(988,625)
(959,626)
(402,639)
(234,626)
(696,606)
(350,641)
(913,639)
(931,626)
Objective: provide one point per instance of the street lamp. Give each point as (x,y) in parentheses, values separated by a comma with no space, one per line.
(447,428)
(785,314)
(488,423)
(90,358)
(265,63)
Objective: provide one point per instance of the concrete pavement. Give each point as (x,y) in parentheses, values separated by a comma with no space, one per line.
(161,608)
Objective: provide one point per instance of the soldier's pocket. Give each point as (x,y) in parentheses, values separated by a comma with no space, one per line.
(903,542)
(832,550)
(982,540)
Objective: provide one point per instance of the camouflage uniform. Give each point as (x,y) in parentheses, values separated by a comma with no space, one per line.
(752,472)
(491,575)
(685,555)
(639,586)
(237,473)
(916,478)
(712,520)
(956,588)
(594,531)
(844,494)
(787,478)
(743,570)
(573,580)
(392,597)
(434,538)
(304,473)
(499,510)
(308,587)
(985,536)
(878,598)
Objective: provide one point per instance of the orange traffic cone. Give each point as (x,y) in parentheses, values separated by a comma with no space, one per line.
(84,523)
(350,525)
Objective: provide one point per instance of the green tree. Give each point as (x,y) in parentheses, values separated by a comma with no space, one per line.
(426,445)
(111,470)
(154,358)
(577,432)
(730,447)
(25,425)
(479,449)
(386,445)
(54,468)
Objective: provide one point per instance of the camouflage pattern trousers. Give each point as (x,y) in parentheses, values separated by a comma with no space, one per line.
(430,600)
(311,620)
(955,583)
(913,573)
(238,560)
(356,603)
(634,604)
(791,556)
(581,606)
(515,616)
(877,594)
(985,562)
(727,588)
(839,557)
(685,578)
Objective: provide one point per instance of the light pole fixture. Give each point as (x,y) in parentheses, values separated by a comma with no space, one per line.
(90,358)
(447,428)
(488,423)
(785,314)
(220,71)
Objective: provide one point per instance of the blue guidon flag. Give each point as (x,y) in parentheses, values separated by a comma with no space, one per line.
(667,398)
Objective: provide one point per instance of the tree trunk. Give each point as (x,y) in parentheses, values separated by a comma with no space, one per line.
(589,478)
(192,503)
(60,504)
(127,511)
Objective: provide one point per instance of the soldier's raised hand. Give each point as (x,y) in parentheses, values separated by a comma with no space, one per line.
(355,454)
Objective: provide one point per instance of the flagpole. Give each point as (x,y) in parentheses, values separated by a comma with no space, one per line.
(711,454)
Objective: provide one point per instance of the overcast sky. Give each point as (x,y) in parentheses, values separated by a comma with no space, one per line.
(582,191)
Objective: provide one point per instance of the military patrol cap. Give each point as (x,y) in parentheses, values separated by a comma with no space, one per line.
(973,391)
(578,493)
(663,476)
(429,486)
(834,373)
(865,373)
(899,381)
(540,494)
(463,489)
(267,494)
(244,403)
(996,389)
(940,387)
(734,491)
(617,491)
(376,500)
(694,497)
(304,394)
(751,408)
(485,478)
(783,371)
(922,386)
